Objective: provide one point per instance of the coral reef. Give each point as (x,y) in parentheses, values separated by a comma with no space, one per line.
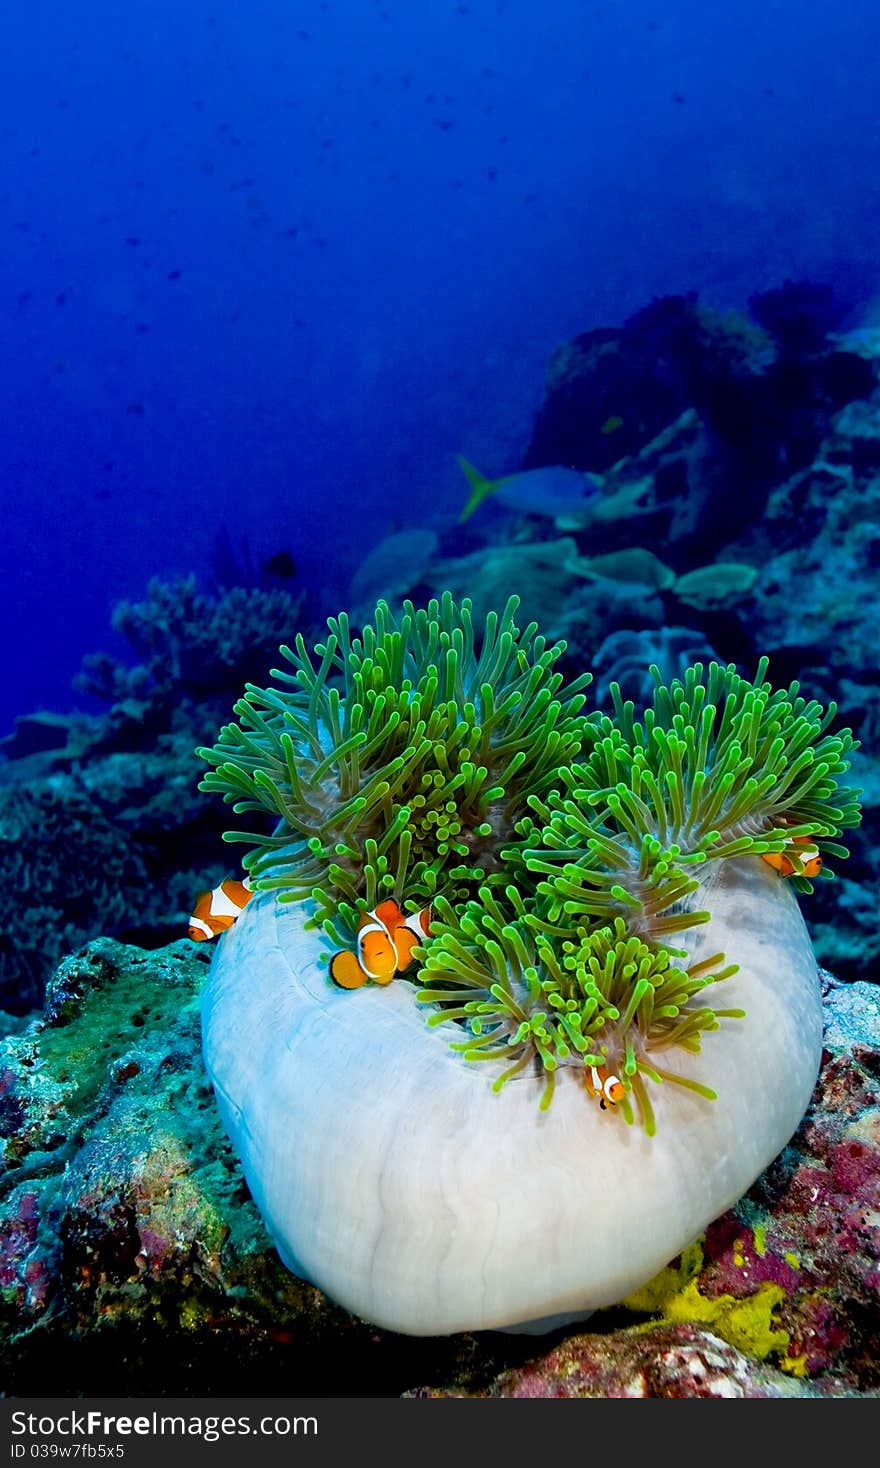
(611,390)
(746,453)
(800,315)
(755,482)
(130,1253)
(763,388)
(626,658)
(189,643)
(113,843)
(126,1236)
(75,873)
(101,827)
(666,1361)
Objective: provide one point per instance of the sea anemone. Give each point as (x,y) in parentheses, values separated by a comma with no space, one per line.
(594,878)
(397,761)
(599,998)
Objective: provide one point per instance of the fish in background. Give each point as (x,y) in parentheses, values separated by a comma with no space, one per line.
(554,491)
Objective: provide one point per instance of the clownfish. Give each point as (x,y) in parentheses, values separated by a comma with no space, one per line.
(216,911)
(601,1082)
(809,855)
(384,946)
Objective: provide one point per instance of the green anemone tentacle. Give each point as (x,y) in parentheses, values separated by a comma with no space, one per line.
(416,735)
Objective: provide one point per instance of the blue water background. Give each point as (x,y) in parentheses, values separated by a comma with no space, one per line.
(271,266)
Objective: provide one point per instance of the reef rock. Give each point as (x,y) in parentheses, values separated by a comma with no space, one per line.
(116,843)
(664,1361)
(132,1259)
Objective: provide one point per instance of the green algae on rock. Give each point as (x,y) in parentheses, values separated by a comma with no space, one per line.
(127,1242)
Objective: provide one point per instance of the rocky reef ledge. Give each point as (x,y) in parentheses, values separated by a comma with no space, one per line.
(133,1262)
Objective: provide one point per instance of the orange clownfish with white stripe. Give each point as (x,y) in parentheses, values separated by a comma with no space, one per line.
(604,1085)
(384,946)
(808,853)
(216,911)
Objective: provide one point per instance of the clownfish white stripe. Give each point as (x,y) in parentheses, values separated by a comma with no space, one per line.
(215,911)
(601,1083)
(376,927)
(223,906)
(415,923)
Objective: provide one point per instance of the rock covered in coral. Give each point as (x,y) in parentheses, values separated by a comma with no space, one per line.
(812,608)
(74,870)
(190,642)
(762,385)
(626,657)
(799,315)
(676,1361)
(101,827)
(612,389)
(132,1258)
(821,535)
(852,1015)
(37,733)
(115,843)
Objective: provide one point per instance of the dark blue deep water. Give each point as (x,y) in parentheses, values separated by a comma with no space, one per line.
(310,304)
(268,268)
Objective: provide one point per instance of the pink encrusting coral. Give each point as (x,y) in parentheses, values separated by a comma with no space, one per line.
(25,1263)
(805,1241)
(669,1360)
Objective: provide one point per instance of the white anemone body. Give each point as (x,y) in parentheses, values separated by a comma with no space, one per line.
(391,1175)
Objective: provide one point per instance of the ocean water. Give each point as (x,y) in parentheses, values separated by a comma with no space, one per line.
(268,269)
(345,299)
